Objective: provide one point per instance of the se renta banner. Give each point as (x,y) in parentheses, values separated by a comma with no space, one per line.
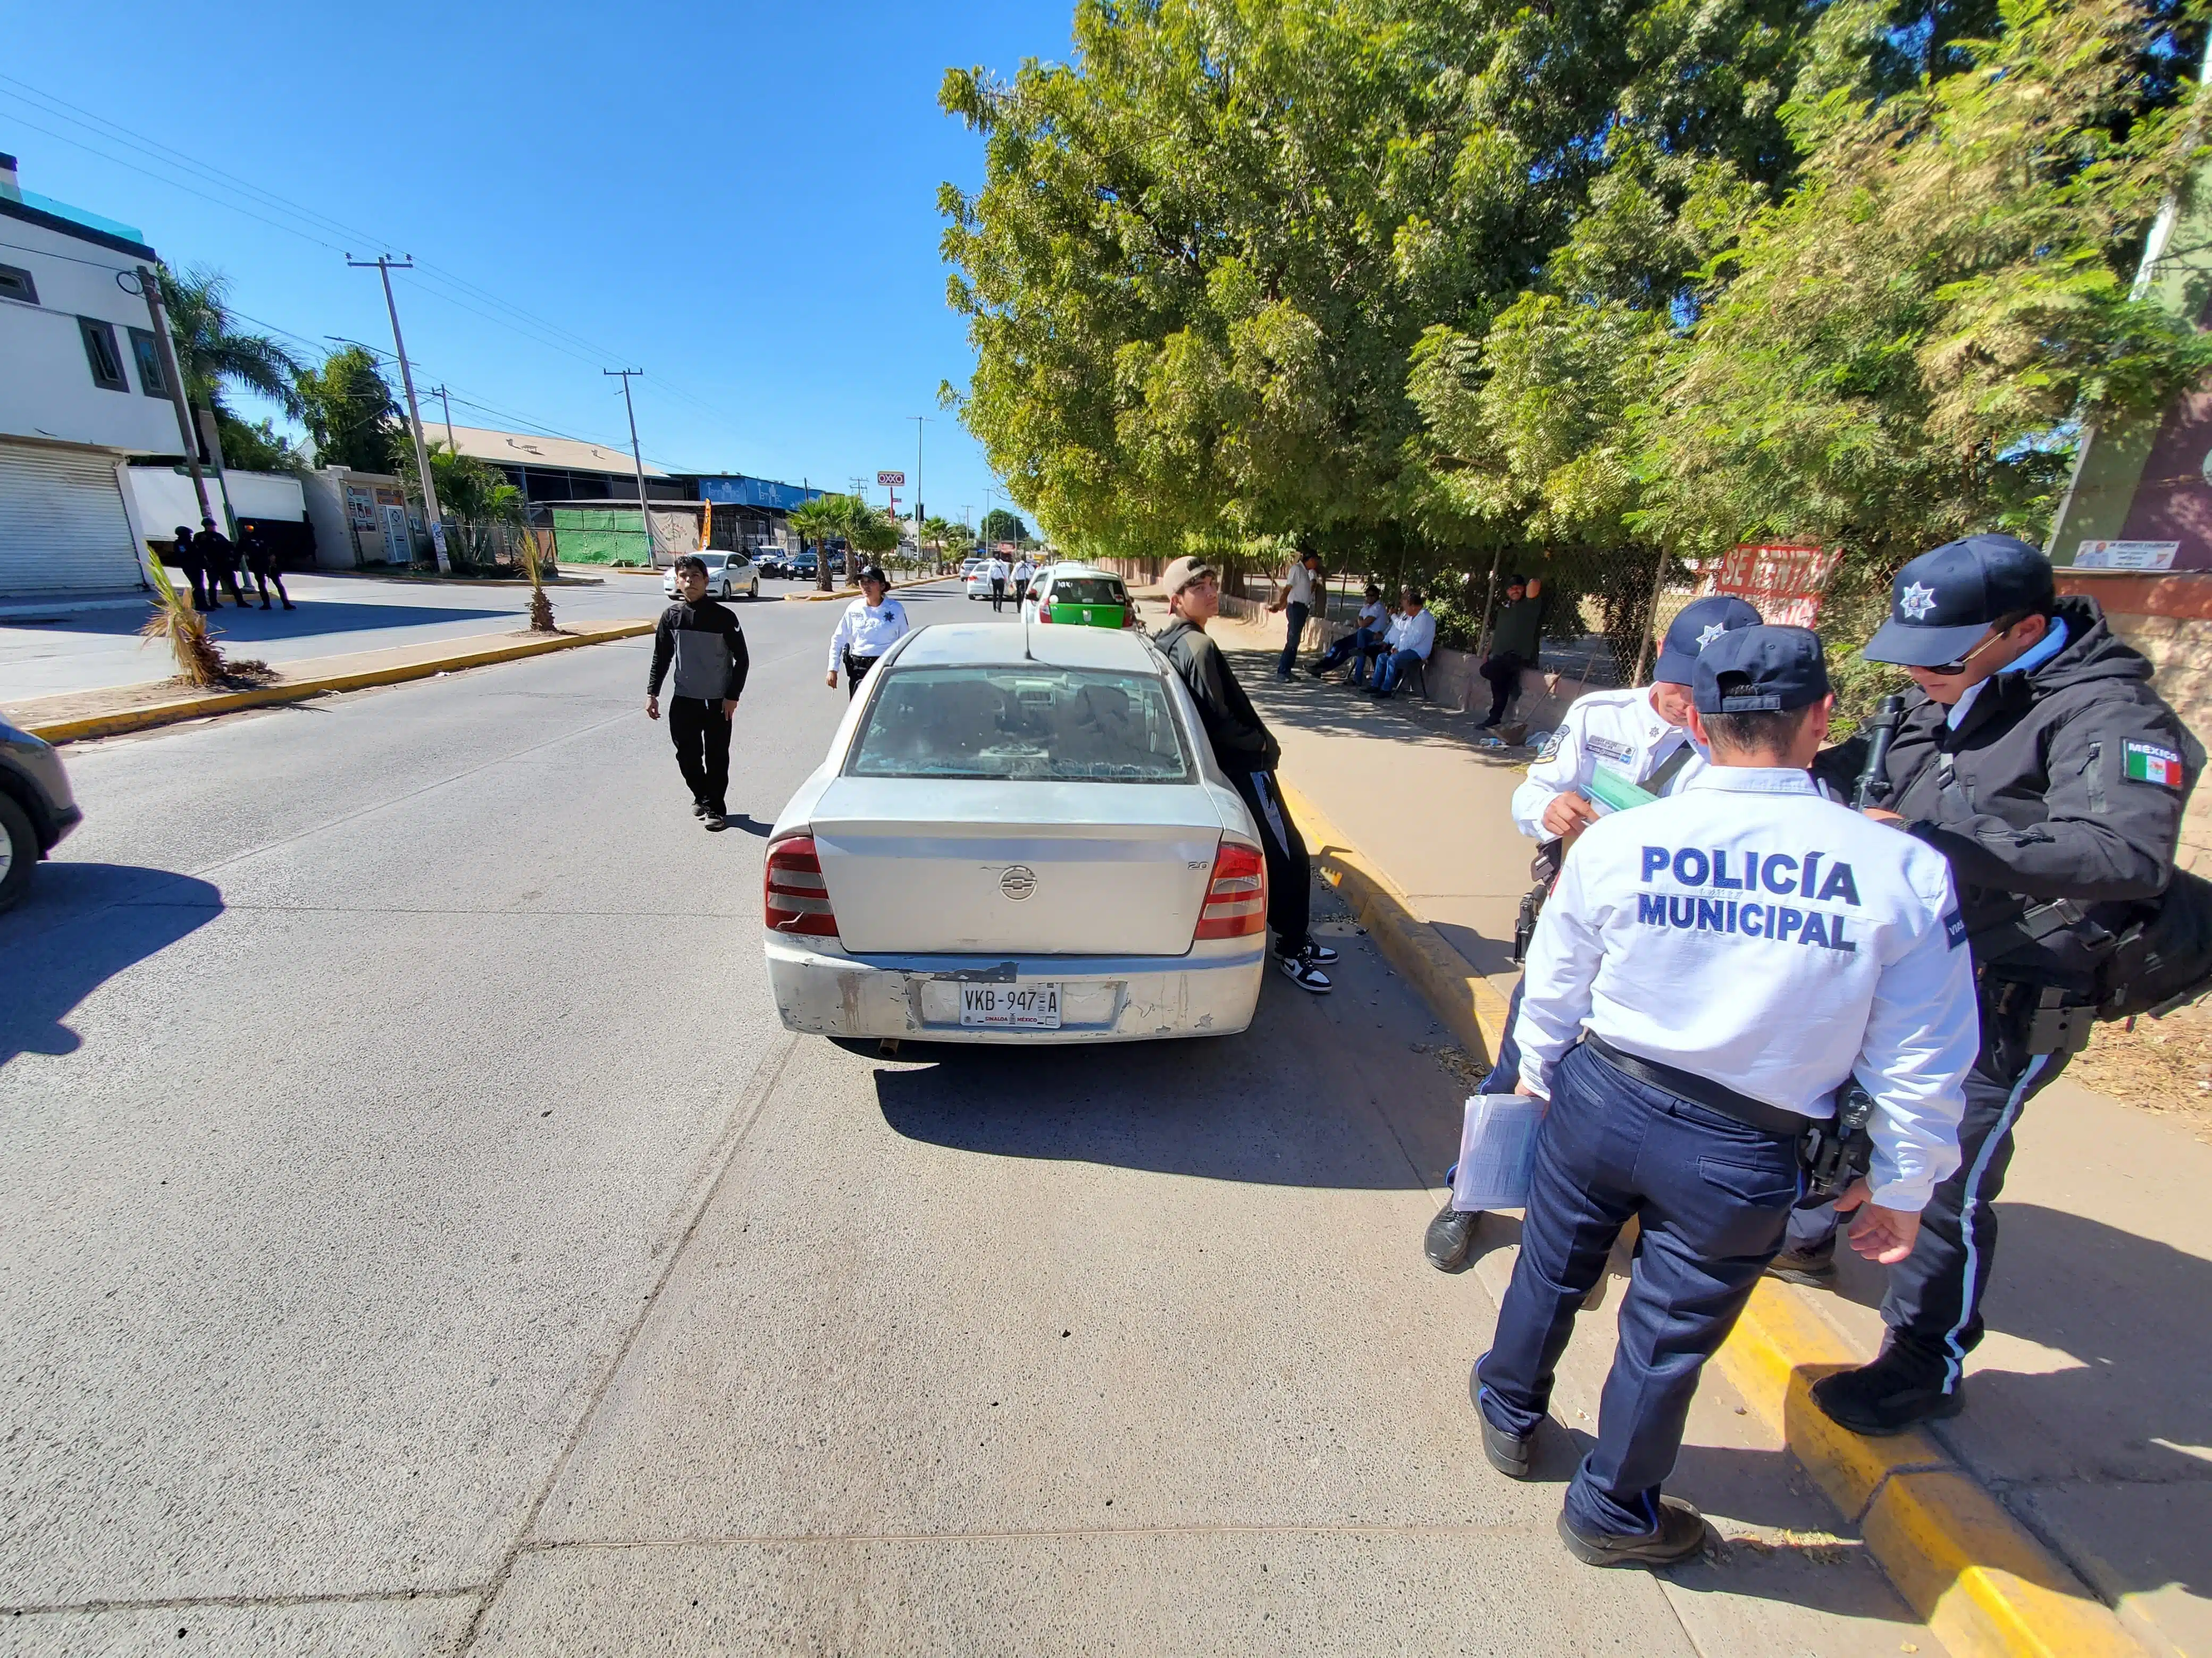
(1785,580)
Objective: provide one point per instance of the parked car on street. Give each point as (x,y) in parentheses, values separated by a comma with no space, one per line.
(1078,595)
(974,582)
(36,809)
(728,574)
(1019,836)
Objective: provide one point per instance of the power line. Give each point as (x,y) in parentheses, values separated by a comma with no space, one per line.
(539,330)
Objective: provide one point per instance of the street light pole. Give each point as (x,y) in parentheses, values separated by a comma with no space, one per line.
(920,420)
(452,444)
(644,513)
(384,265)
(168,348)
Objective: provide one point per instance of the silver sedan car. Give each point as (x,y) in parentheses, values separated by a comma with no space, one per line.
(1019,836)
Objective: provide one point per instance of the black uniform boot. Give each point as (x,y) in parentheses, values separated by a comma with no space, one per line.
(1450,1237)
(1900,1390)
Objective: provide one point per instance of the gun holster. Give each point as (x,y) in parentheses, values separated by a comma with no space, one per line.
(1839,1151)
(2040,1018)
(1544,867)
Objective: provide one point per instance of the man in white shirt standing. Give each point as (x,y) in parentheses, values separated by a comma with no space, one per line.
(1024,572)
(996,574)
(1411,641)
(1297,597)
(871,625)
(1711,970)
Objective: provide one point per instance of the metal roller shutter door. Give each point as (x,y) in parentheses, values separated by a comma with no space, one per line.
(62,528)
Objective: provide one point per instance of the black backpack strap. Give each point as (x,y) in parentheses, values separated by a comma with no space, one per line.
(1669,770)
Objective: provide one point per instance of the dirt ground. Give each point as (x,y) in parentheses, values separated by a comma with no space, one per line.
(2163,1066)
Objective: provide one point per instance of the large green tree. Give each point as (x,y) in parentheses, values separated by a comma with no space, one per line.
(1204,249)
(350,413)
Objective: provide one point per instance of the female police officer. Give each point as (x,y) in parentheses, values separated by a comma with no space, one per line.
(871,625)
(1711,969)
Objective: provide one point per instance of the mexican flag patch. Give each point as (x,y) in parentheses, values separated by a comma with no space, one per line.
(2148,763)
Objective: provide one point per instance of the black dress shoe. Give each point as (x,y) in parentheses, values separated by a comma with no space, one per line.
(1509,1454)
(1450,1237)
(1815,1268)
(1896,1392)
(1680,1535)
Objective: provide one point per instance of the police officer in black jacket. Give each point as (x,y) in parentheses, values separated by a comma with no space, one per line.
(2038,759)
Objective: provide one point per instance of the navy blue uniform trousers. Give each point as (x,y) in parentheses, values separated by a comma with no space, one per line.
(1713,1195)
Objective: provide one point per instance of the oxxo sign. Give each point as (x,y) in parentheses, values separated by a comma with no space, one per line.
(890,480)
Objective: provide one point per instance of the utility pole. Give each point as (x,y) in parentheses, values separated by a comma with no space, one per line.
(452,445)
(644,513)
(384,265)
(167,347)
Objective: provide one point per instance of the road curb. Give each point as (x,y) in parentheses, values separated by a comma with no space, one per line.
(850,593)
(296,690)
(1983,1585)
(1466,1002)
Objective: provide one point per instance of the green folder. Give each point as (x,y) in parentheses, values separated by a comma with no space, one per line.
(1611,791)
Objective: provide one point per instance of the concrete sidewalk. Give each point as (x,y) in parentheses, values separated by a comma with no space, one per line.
(2090,1415)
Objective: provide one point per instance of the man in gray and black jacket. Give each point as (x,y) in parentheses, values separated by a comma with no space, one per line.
(1246,752)
(702,641)
(2036,758)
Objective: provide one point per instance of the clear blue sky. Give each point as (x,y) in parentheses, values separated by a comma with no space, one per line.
(739,199)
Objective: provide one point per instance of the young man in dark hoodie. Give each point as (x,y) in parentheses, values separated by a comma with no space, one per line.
(1246,752)
(703,641)
(2035,756)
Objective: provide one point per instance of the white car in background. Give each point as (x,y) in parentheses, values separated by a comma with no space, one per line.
(728,574)
(975,581)
(1017,841)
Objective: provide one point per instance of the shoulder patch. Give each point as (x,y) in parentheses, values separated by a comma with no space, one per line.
(2152,762)
(1552,745)
(1954,930)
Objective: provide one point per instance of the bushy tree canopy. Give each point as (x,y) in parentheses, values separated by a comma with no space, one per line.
(1424,282)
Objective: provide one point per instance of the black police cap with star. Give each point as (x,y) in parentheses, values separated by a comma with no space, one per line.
(1941,604)
(1698,624)
(1766,669)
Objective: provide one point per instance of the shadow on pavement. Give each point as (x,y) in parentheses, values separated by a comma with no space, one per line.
(253,625)
(81,925)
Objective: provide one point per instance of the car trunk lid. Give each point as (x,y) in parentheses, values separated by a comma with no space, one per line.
(967,866)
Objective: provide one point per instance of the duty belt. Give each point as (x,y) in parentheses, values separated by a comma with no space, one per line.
(1701,1090)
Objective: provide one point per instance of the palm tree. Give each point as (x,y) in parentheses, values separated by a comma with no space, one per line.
(817,520)
(212,353)
(867,530)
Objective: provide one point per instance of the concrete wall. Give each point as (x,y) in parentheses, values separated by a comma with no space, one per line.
(47,392)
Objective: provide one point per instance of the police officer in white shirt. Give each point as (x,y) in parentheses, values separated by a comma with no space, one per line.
(1710,970)
(996,573)
(1024,572)
(870,625)
(1643,736)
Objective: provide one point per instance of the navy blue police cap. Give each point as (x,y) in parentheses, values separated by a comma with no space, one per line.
(1941,604)
(1768,670)
(1698,624)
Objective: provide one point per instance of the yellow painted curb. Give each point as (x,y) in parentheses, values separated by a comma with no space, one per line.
(296,690)
(1984,1586)
(1466,1001)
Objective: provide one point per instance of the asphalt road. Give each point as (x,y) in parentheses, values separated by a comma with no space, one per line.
(421,1237)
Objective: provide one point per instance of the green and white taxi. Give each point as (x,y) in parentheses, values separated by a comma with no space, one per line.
(1079,596)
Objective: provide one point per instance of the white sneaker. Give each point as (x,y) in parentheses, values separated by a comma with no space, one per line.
(1303,972)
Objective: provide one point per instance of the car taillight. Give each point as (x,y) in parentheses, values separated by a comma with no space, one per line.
(797,897)
(1044,612)
(1236,900)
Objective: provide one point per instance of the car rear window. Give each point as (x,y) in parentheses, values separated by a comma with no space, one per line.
(1088,590)
(1026,723)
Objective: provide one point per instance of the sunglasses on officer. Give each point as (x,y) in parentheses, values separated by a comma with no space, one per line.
(1999,630)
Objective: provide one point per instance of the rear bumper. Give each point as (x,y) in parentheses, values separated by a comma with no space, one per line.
(1117,999)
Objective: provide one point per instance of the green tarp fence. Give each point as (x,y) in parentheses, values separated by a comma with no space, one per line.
(601,535)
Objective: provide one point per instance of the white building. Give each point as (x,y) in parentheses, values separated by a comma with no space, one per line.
(82,393)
